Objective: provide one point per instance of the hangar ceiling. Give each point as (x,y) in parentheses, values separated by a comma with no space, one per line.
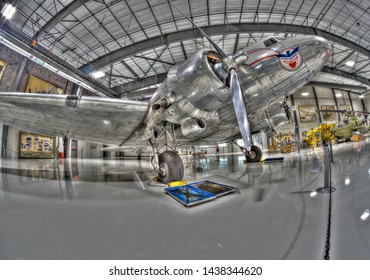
(136,42)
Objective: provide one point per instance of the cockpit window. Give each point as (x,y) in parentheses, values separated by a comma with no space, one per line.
(270,42)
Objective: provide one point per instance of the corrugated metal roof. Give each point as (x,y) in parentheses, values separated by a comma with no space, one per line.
(94,29)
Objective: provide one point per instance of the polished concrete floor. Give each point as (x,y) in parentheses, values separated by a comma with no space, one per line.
(109,209)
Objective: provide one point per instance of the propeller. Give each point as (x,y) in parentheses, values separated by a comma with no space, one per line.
(231,64)
(239,106)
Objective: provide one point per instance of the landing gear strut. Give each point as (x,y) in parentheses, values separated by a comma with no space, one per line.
(168,164)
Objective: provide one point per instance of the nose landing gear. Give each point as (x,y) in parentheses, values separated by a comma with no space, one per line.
(254,155)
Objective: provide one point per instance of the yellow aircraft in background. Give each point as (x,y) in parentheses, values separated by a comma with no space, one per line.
(317,135)
(341,131)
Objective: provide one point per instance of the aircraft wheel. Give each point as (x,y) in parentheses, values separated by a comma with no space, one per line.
(171,167)
(254,155)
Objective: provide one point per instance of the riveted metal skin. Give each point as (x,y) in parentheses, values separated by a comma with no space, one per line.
(200,92)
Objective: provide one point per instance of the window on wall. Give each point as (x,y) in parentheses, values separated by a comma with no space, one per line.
(36,85)
(2,69)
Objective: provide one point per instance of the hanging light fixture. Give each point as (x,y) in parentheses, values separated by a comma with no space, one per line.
(8,11)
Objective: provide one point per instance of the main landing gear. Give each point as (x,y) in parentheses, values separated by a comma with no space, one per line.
(168,164)
(170,168)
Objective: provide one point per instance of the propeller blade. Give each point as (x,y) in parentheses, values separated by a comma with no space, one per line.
(219,50)
(240,111)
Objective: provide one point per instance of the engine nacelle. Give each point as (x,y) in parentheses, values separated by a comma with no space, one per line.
(191,96)
(270,119)
(199,83)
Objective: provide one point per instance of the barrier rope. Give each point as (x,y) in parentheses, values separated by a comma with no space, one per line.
(328,230)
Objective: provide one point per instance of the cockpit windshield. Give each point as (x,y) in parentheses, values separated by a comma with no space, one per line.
(270,41)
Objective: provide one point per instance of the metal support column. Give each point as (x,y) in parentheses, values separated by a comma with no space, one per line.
(317,103)
(19,75)
(336,103)
(350,100)
(4,141)
(296,124)
(363,104)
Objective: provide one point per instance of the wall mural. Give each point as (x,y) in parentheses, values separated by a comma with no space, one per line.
(328,116)
(36,85)
(346,107)
(33,145)
(307,113)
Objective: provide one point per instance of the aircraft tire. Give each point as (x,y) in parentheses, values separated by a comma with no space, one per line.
(255,156)
(171,167)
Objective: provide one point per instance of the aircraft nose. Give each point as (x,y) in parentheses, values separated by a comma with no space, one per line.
(317,53)
(325,46)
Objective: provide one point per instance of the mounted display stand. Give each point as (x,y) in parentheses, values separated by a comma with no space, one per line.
(327,171)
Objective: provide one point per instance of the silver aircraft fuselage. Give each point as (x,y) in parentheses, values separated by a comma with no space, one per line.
(196,98)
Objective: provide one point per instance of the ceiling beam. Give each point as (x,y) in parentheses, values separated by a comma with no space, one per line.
(140,83)
(337,86)
(346,75)
(56,19)
(179,36)
(155,60)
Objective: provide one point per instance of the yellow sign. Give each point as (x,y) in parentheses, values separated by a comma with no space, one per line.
(33,145)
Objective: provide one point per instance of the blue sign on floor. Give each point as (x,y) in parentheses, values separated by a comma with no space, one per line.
(199,192)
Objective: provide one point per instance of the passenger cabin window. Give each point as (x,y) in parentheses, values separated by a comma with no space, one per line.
(270,42)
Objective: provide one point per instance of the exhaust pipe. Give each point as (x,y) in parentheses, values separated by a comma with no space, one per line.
(192,127)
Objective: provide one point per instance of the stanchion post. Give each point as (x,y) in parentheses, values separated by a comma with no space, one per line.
(331,152)
(327,172)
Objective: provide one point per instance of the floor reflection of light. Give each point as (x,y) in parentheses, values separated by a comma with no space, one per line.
(313,194)
(365,215)
(368,171)
(347,181)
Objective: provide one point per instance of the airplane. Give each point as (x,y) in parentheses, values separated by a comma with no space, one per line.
(210,98)
(322,133)
(344,129)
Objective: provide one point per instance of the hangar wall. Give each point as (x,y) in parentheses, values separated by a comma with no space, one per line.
(89,150)
(325,96)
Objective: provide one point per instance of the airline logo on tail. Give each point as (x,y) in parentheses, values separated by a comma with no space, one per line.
(290,59)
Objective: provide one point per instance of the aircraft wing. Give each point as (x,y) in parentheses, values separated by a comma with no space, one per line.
(93,119)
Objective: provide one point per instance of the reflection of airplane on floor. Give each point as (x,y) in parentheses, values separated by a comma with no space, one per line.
(209,98)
